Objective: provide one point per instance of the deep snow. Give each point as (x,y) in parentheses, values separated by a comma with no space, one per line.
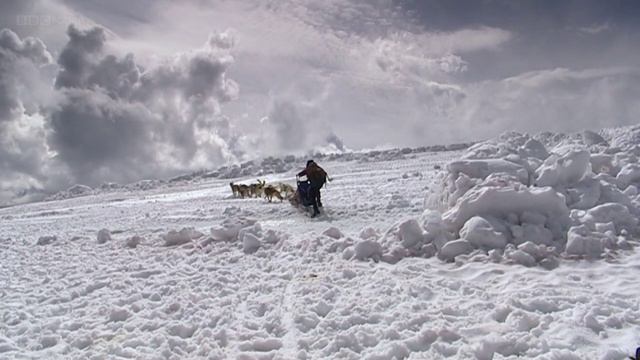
(183,270)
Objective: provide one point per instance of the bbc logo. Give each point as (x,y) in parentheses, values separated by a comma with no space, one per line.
(34,20)
(48,20)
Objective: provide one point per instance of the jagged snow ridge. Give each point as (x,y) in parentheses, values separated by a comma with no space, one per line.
(528,199)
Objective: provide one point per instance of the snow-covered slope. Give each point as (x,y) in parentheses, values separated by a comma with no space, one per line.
(184,270)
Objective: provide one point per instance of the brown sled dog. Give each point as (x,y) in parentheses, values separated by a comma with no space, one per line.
(235,189)
(256,190)
(270,192)
(245,191)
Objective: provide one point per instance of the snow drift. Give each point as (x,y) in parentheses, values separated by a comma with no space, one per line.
(526,199)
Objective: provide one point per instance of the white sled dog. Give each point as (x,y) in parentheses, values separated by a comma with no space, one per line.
(286,190)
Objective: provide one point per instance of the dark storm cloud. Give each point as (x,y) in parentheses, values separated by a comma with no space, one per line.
(83,64)
(102,138)
(118,77)
(540,15)
(119,123)
(103,117)
(77,58)
(576,34)
(95,130)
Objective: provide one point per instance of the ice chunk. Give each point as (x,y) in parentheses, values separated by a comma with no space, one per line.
(563,169)
(104,235)
(534,148)
(250,243)
(602,163)
(537,234)
(133,241)
(480,169)
(500,202)
(47,341)
(628,175)
(82,341)
(367,249)
(454,248)
(410,233)
(369,233)
(591,138)
(615,213)
(46,240)
(522,258)
(183,236)
(119,314)
(533,218)
(585,194)
(480,233)
(532,249)
(435,230)
(582,241)
(255,229)
(333,232)
(272,236)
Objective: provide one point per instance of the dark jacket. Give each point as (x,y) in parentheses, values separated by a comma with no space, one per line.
(316,175)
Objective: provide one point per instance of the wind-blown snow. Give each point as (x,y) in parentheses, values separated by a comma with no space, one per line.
(497,266)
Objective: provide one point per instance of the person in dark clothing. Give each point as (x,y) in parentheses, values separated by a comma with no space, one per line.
(317,178)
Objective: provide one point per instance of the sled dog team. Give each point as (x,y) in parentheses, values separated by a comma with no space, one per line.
(262,189)
(308,195)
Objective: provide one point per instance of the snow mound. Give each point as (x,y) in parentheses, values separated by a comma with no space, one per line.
(333,232)
(509,203)
(406,238)
(582,198)
(46,240)
(119,314)
(244,230)
(185,235)
(555,195)
(230,228)
(134,241)
(104,236)
(367,249)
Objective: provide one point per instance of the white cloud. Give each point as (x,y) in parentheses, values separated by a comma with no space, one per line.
(553,100)
(596,28)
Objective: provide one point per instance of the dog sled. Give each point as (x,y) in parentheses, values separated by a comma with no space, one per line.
(301,199)
(303,192)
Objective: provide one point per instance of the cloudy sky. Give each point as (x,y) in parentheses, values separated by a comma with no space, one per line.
(94,91)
